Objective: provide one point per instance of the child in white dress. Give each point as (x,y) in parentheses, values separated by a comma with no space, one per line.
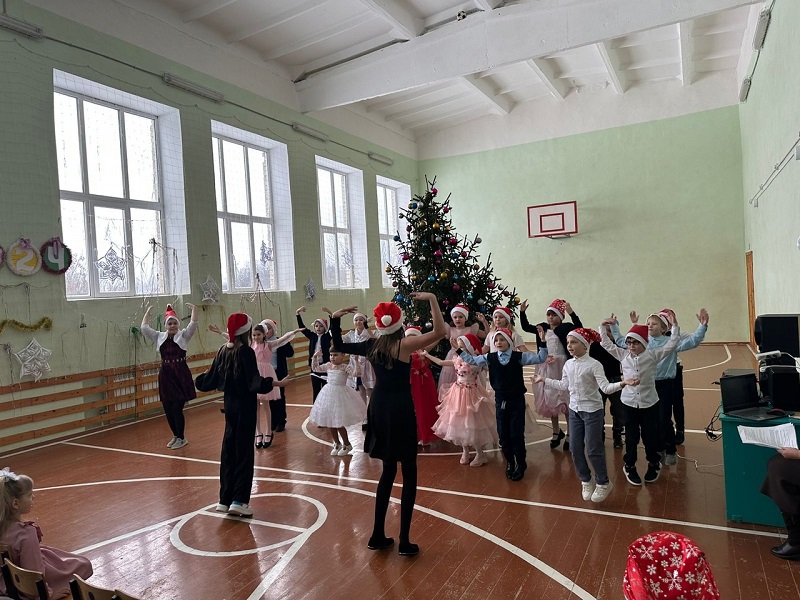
(337,406)
(467,414)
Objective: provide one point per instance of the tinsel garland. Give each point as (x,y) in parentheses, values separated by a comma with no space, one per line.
(43,323)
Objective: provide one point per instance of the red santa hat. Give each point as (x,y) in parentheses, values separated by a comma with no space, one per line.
(170,314)
(472,343)
(585,336)
(323,322)
(558,307)
(413,330)
(503,312)
(238,323)
(460,308)
(667,566)
(638,332)
(506,333)
(388,318)
(271,324)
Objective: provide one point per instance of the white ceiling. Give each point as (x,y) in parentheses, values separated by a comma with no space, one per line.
(417,66)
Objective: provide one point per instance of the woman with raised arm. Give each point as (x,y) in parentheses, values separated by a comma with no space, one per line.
(391,422)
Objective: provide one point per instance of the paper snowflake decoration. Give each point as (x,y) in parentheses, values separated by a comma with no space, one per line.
(112,266)
(311,290)
(33,360)
(210,290)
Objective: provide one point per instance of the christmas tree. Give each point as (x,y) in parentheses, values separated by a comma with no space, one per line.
(434,258)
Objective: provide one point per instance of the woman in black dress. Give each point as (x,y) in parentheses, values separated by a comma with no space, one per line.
(391,422)
(175,384)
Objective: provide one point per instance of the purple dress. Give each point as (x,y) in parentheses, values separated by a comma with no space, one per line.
(175,383)
(25,550)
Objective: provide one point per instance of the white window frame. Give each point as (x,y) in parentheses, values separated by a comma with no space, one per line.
(355,227)
(173,275)
(402,196)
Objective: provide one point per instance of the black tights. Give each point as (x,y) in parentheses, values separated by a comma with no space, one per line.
(407,497)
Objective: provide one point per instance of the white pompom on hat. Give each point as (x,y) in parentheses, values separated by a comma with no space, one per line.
(388,318)
(170,314)
(238,323)
(460,308)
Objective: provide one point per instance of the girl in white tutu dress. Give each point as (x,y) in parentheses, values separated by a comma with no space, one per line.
(337,406)
(467,412)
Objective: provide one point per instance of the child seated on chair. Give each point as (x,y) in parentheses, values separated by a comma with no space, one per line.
(23,539)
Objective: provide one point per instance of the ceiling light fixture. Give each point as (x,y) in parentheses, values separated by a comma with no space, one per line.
(300,128)
(380,158)
(194,88)
(762,25)
(23,27)
(744,91)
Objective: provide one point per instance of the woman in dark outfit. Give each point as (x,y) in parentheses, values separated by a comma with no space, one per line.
(391,421)
(175,385)
(782,484)
(235,372)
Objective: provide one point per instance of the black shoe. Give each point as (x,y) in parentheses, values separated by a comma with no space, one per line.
(259,441)
(280,428)
(407,549)
(519,472)
(555,442)
(680,437)
(617,441)
(267,443)
(653,471)
(510,468)
(786,551)
(632,475)
(380,543)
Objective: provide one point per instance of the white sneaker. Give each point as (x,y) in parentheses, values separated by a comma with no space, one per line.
(243,510)
(223,508)
(345,450)
(601,492)
(179,443)
(172,442)
(586,489)
(335,451)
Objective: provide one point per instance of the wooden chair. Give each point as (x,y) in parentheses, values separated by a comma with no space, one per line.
(25,582)
(81,590)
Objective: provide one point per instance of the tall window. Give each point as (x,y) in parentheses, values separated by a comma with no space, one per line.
(253,210)
(342,225)
(391,195)
(113,210)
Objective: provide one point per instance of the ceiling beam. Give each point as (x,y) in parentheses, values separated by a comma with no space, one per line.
(402,21)
(544,70)
(484,89)
(316,38)
(686,40)
(205,9)
(486,40)
(611,61)
(297,9)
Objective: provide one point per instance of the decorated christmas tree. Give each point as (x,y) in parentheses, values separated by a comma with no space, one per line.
(434,258)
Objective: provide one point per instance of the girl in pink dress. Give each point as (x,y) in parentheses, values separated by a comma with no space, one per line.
(23,539)
(423,392)
(459,315)
(467,413)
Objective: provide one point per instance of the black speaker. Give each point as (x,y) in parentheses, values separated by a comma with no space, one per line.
(778,332)
(783,387)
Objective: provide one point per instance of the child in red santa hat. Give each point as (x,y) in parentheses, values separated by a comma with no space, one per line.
(467,414)
(175,385)
(391,423)
(640,400)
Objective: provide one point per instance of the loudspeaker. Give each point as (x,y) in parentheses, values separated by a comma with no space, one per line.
(778,332)
(783,387)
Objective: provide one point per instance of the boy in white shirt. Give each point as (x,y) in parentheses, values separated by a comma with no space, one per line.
(640,402)
(582,375)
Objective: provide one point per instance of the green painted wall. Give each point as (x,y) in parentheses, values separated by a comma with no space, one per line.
(659,215)
(29,195)
(770,122)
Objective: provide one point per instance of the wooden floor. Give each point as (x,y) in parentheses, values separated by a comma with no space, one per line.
(145,515)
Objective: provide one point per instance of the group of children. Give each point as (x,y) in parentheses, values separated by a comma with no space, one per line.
(578,371)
